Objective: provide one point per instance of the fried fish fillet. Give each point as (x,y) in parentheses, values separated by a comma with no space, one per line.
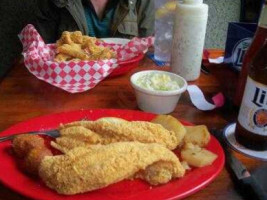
(65,39)
(84,133)
(62,57)
(86,169)
(77,37)
(73,50)
(75,46)
(70,38)
(97,52)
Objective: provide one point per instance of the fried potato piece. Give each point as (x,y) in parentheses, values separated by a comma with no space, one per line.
(87,169)
(185,165)
(73,50)
(198,135)
(171,124)
(23,144)
(196,156)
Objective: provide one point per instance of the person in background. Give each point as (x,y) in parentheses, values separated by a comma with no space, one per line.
(96,18)
(15,15)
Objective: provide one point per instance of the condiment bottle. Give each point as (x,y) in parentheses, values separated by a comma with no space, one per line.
(251,130)
(259,38)
(188,40)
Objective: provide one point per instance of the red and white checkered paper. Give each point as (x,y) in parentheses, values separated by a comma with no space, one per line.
(73,76)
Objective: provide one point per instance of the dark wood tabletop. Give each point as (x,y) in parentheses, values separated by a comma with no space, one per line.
(23,96)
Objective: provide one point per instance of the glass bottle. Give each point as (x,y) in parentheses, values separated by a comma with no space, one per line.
(164,17)
(251,130)
(259,38)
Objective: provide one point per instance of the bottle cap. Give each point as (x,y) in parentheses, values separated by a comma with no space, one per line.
(193,1)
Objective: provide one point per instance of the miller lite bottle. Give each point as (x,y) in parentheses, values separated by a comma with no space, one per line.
(251,130)
(259,38)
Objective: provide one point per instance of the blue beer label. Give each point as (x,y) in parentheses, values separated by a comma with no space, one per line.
(239,38)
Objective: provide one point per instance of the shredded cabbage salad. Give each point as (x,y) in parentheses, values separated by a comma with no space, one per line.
(157,82)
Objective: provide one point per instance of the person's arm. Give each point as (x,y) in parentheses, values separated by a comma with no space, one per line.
(146,17)
(46,21)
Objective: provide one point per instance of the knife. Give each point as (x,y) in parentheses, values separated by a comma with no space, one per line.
(238,170)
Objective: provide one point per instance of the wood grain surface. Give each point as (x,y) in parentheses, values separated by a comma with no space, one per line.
(22,96)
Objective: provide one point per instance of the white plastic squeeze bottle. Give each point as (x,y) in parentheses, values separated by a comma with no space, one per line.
(188,40)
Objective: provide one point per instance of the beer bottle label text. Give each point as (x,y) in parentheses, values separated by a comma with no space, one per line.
(253,111)
(263,17)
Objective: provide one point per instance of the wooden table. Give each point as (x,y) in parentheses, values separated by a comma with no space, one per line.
(22,96)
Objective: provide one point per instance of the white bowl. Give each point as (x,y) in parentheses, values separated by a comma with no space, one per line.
(158,102)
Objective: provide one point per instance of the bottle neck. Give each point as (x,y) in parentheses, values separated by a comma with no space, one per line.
(263,17)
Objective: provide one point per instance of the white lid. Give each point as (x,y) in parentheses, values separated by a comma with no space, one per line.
(193,8)
(193,1)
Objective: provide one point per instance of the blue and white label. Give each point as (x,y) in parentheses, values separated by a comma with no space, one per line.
(239,52)
(253,111)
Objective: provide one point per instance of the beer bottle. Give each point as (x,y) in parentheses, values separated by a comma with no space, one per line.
(258,40)
(251,130)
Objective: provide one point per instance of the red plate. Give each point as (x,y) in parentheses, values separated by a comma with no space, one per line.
(13,178)
(126,66)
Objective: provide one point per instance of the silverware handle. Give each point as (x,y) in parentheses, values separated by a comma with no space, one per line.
(255,188)
(11,137)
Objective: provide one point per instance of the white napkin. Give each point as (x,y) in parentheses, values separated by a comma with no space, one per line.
(199,101)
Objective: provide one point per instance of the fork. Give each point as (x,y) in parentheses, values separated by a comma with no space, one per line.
(51,133)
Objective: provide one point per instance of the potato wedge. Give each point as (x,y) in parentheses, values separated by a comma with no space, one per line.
(196,156)
(198,135)
(185,165)
(171,124)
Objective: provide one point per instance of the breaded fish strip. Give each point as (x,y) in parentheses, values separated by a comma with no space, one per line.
(86,169)
(77,37)
(65,39)
(106,132)
(61,57)
(73,50)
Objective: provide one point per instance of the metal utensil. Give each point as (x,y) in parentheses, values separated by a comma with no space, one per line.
(239,171)
(51,133)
